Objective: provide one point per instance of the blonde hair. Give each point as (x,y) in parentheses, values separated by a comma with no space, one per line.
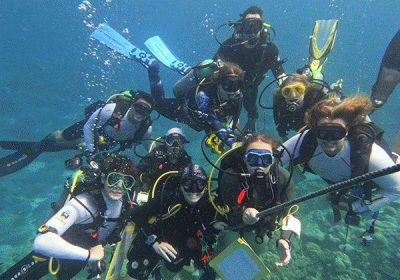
(353,110)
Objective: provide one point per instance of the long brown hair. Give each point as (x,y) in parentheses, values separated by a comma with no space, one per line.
(226,70)
(353,110)
(262,138)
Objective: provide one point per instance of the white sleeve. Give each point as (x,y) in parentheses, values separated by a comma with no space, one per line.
(51,244)
(96,120)
(147,135)
(389,185)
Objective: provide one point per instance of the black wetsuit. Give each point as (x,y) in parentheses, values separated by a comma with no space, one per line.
(239,193)
(186,230)
(200,109)
(156,163)
(255,62)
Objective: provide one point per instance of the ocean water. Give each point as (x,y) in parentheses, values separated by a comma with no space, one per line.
(50,70)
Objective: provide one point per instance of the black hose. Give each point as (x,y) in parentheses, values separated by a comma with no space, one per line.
(335,187)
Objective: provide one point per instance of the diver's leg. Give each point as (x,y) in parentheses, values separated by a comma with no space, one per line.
(250,105)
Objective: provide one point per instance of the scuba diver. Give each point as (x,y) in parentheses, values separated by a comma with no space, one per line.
(252,49)
(122,123)
(251,180)
(205,98)
(123,119)
(169,156)
(175,226)
(292,99)
(341,140)
(77,233)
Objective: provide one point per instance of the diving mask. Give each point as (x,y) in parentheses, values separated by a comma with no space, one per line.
(330,132)
(194,186)
(114,178)
(259,158)
(252,25)
(231,83)
(142,109)
(298,89)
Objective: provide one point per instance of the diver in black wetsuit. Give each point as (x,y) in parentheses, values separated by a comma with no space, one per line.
(170,156)
(250,47)
(205,98)
(293,98)
(175,226)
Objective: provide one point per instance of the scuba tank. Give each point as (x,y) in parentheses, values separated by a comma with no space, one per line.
(194,78)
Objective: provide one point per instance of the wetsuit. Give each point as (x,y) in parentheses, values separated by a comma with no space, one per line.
(242,193)
(71,233)
(156,163)
(255,62)
(201,111)
(98,125)
(338,168)
(186,231)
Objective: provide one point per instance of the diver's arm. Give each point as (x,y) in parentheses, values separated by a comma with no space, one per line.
(49,243)
(397,147)
(389,185)
(276,63)
(204,104)
(156,86)
(147,135)
(96,120)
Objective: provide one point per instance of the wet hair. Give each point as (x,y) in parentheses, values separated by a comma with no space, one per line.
(145,96)
(119,163)
(260,138)
(252,10)
(296,78)
(226,70)
(353,110)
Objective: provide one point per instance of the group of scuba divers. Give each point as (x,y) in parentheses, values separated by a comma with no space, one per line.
(180,217)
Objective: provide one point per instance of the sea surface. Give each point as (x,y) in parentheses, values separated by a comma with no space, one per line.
(50,70)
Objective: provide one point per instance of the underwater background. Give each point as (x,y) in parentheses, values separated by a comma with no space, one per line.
(50,70)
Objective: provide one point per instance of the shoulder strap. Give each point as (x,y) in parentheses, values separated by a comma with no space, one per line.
(122,105)
(306,149)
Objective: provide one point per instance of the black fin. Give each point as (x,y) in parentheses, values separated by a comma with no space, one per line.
(389,73)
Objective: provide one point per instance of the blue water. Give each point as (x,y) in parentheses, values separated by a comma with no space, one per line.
(50,70)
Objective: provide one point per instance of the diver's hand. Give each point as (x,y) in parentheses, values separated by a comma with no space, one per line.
(165,250)
(220,226)
(234,144)
(96,253)
(284,252)
(249,216)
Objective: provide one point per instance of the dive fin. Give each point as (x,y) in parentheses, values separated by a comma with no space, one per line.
(321,42)
(27,152)
(160,50)
(389,73)
(16,161)
(16,145)
(115,41)
(27,268)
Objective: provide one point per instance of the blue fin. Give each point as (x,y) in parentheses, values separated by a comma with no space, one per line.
(115,41)
(158,48)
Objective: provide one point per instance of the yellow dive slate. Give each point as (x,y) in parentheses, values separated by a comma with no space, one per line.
(239,262)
